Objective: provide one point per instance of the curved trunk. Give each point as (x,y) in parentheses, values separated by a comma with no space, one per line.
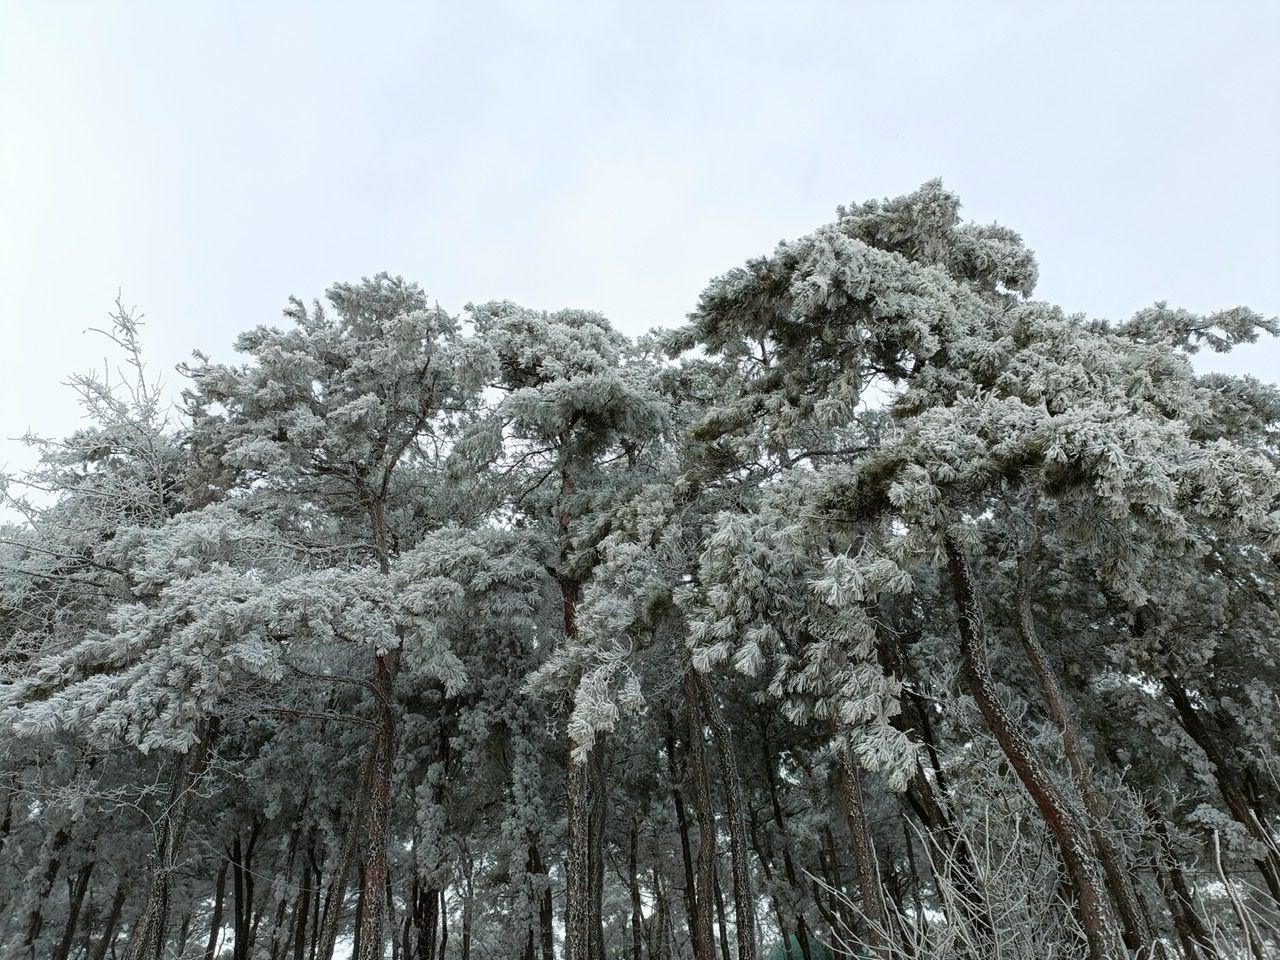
(1137,934)
(1093,906)
(1233,792)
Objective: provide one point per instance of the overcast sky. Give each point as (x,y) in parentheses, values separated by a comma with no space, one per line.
(209,159)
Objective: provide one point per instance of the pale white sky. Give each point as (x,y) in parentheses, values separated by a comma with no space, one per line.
(212,158)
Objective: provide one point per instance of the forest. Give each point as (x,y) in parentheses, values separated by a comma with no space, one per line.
(876,609)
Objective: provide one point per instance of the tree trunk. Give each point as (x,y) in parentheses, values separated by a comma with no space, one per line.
(1192,933)
(599,811)
(578,900)
(468,908)
(75,900)
(302,906)
(637,914)
(1138,936)
(546,907)
(682,822)
(722,924)
(864,856)
(147,936)
(378,813)
(801,926)
(1096,916)
(335,897)
(744,902)
(703,937)
(1228,784)
(35,918)
(113,918)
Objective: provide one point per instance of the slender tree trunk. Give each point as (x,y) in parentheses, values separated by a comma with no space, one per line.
(317,879)
(468,907)
(578,899)
(864,856)
(703,937)
(599,811)
(1097,918)
(113,918)
(444,922)
(801,925)
(75,900)
(35,918)
(722,925)
(924,801)
(546,907)
(1192,933)
(336,895)
(355,946)
(682,822)
(378,813)
(240,922)
(1138,936)
(637,914)
(744,902)
(147,936)
(663,911)
(279,930)
(302,906)
(1228,784)
(184,932)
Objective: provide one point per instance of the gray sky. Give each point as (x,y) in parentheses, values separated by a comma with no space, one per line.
(209,159)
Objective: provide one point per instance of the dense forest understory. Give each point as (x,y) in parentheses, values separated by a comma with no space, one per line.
(878,610)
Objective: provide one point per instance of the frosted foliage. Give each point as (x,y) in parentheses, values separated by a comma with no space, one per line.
(876,605)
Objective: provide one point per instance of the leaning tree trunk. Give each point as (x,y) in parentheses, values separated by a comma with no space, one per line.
(1137,934)
(147,936)
(1229,785)
(1094,908)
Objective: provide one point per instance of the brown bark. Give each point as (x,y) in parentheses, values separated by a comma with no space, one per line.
(1233,792)
(744,909)
(864,857)
(801,927)
(1094,908)
(682,822)
(378,814)
(147,936)
(1137,934)
(703,938)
